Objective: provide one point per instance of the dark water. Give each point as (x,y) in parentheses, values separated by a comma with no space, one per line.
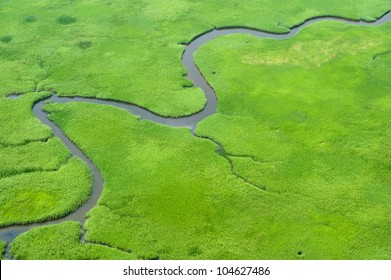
(9,233)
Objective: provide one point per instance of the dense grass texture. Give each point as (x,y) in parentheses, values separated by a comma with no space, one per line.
(35,156)
(304,121)
(128,50)
(310,116)
(2,249)
(169,213)
(18,125)
(62,242)
(190,205)
(28,190)
(38,196)
(314,105)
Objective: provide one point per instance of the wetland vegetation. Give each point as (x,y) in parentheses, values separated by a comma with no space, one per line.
(62,242)
(2,249)
(134,53)
(42,195)
(38,177)
(319,106)
(295,164)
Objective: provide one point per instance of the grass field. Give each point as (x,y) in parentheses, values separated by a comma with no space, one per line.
(311,117)
(304,121)
(41,195)
(177,209)
(190,206)
(317,104)
(61,241)
(35,156)
(129,50)
(2,249)
(18,124)
(38,177)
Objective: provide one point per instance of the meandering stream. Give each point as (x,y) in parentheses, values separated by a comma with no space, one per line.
(9,233)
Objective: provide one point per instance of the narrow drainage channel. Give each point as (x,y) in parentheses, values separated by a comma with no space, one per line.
(9,233)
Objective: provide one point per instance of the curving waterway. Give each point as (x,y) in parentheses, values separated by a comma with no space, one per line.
(9,233)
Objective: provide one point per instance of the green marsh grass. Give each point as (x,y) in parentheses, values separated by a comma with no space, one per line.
(65,20)
(38,178)
(61,242)
(170,195)
(18,124)
(35,156)
(2,248)
(30,19)
(187,199)
(6,39)
(306,118)
(85,44)
(43,195)
(310,119)
(136,56)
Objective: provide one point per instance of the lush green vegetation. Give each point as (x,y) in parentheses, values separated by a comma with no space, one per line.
(128,50)
(38,179)
(179,207)
(191,206)
(17,122)
(310,117)
(35,156)
(303,120)
(38,196)
(2,249)
(61,241)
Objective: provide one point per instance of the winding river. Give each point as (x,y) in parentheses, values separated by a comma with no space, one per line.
(9,233)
